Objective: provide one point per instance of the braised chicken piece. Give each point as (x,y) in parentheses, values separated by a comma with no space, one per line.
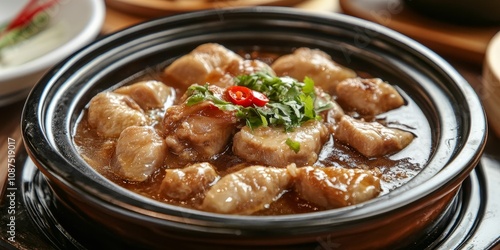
(331,116)
(371,138)
(314,64)
(110,113)
(198,132)
(247,67)
(148,94)
(333,187)
(139,152)
(236,68)
(258,134)
(268,145)
(206,63)
(368,96)
(247,191)
(191,181)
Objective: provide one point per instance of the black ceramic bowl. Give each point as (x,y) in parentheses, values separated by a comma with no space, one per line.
(403,218)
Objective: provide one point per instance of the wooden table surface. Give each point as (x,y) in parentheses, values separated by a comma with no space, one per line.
(116,20)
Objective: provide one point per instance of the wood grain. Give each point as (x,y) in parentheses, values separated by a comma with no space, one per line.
(155,8)
(117,19)
(467,43)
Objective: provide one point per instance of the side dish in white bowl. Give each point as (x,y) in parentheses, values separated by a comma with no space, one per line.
(32,41)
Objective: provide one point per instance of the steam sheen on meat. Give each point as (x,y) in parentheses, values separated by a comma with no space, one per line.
(314,64)
(371,138)
(139,152)
(147,94)
(206,63)
(332,187)
(331,116)
(368,96)
(267,145)
(247,67)
(198,132)
(110,113)
(247,191)
(191,181)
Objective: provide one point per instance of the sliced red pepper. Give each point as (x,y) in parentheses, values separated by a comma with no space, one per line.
(240,95)
(259,98)
(28,12)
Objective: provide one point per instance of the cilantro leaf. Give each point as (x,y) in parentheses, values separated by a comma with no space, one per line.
(308,85)
(291,102)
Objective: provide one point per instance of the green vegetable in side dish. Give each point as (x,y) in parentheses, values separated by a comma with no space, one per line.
(22,33)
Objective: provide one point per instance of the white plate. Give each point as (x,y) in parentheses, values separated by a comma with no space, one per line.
(84,18)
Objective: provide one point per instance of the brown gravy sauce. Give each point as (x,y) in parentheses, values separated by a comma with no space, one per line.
(396,169)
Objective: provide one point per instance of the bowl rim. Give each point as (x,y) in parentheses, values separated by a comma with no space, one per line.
(469,153)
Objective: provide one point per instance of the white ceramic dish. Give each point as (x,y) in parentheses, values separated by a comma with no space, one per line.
(84,18)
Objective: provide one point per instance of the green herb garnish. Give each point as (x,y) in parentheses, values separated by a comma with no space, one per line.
(294,145)
(22,33)
(291,102)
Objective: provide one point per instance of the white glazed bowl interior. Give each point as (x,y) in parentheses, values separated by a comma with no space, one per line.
(84,17)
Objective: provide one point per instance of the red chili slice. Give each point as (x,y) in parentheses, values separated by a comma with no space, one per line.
(240,95)
(259,99)
(28,12)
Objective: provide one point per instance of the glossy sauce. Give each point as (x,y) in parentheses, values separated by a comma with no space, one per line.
(396,169)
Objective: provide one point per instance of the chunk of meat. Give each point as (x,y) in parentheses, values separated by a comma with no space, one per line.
(188,182)
(236,68)
(206,63)
(139,152)
(267,145)
(331,116)
(247,191)
(371,138)
(110,113)
(368,96)
(148,94)
(315,64)
(198,132)
(248,67)
(333,187)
